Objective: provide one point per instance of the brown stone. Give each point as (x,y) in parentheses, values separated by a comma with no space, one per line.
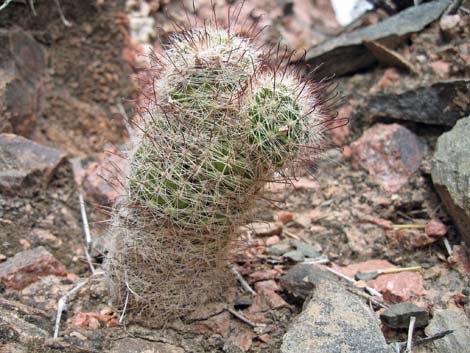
(25,163)
(27,266)
(264,275)
(23,67)
(435,229)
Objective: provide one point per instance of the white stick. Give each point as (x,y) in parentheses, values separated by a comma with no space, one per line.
(86,231)
(372,291)
(448,246)
(61,306)
(409,343)
(242,280)
(244,319)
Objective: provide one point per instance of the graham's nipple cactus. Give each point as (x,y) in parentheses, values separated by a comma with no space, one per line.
(219,124)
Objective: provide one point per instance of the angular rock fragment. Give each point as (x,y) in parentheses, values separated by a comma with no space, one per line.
(333,320)
(399,315)
(25,267)
(451,174)
(441,103)
(23,67)
(347,54)
(299,280)
(24,163)
(390,153)
(456,320)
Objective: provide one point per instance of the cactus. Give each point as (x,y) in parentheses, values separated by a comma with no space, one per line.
(219,123)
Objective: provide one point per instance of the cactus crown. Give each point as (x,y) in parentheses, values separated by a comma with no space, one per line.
(217,126)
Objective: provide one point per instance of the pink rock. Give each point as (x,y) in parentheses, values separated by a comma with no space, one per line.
(242,339)
(272,240)
(435,229)
(366,266)
(267,285)
(390,153)
(219,324)
(399,287)
(264,275)
(460,258)
(441,68)
(395,287)
(80,320)
(264,338)
(25,267)
(273,299)
(389,78)
(101,180)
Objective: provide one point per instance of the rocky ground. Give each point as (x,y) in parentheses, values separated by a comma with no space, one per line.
(391,192)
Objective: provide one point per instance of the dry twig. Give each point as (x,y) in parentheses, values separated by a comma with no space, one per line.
(242,281)
(244,319)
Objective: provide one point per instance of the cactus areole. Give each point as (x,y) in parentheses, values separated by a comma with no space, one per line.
(219,123)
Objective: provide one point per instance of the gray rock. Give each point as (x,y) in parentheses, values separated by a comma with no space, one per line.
(279,248)
(347,54)
(24,163)
(299,280)
(307,250)
(23,67)
(294,255)
(242,302)
(138,345)
(456,320)
(333,320)
(424,104)
(451,174)
(398,315)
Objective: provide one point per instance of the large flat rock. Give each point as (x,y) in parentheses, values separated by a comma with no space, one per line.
(451,174)
(347,54)
(456,320)
(25,163)
(333,320)
(441,103)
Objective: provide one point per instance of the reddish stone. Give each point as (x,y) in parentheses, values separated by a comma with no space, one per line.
(390,153)
(435,229)
(347,152)
(441,68)
(80,320)
(395,287)
(389,78)
(270,285)
(367,266)
(272,240)
(101,180)
(273,299)
(25,267)
(219,324)
(460,258)
(264,275)
(2,257)
(383,223)
(242,338)
(315,214)
(264,338)
(399,287)
(285,216)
